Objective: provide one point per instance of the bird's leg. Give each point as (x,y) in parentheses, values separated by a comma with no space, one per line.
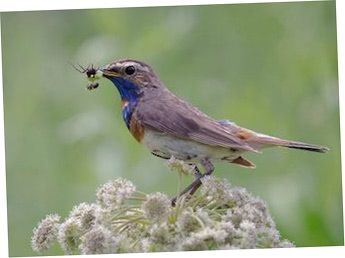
(196,174)
(197,179)
(209,168)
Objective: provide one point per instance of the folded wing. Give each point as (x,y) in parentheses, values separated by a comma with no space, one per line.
(170,115)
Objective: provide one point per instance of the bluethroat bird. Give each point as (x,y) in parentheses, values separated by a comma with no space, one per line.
(170,127)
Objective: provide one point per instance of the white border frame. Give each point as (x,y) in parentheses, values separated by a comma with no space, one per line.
(22,5)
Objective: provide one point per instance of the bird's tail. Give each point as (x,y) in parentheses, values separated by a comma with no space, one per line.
(305,146)
(258,141)
(267,141)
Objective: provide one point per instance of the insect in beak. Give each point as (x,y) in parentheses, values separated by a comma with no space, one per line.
(93,74)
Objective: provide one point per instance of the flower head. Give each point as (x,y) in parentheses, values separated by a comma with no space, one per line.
(249,234)
(191,221)
(206,239)
(45,233)
(114,193)
(161,236)
(216,189)
(69,235)
(99,240)
(180,166)
(156,207)
(84,213)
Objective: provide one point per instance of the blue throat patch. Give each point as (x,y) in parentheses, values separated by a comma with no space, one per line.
(129,96)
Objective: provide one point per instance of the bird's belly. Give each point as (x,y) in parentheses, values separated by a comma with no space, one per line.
(165,146)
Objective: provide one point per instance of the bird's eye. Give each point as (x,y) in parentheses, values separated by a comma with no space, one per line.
(130,70)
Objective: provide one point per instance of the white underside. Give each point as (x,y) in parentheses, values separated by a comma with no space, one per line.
(166,146)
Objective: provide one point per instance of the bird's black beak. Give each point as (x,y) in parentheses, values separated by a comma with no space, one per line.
(108,71)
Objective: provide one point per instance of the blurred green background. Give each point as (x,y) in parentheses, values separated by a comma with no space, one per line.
(269,67)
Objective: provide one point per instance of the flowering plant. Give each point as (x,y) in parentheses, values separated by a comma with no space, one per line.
(125,220)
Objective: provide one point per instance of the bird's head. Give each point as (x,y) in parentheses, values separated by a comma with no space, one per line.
(131,75)
(132,78)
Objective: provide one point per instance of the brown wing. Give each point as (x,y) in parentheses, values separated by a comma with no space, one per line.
(168,114)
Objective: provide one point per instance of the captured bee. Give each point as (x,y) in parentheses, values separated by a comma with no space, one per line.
(92,74)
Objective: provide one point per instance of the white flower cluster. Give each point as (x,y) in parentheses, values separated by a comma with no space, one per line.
(123,220)
(114,193)
(180,166)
